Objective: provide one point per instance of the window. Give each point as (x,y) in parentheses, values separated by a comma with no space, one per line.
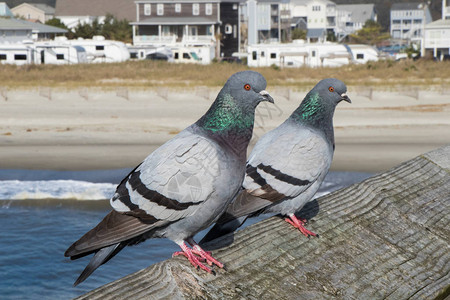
(273,55)
(228,29)
(20,57)
(195,9)
(193,31)
(177,7)
(165,30)
(186,55)
(208,9)
(2,56)
(316,8)
(160,9)
(396,21)
(100,48)
(60,56)
(313,53)
(175,56)
(147,9)
(254,55)
(359,56)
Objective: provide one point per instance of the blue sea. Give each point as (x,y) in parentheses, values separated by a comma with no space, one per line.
(43,212)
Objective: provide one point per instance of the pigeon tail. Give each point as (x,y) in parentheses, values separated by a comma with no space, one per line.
(221,229)
(100,257)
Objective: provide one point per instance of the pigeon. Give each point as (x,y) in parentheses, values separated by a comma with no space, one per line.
(288,164)
(184,185)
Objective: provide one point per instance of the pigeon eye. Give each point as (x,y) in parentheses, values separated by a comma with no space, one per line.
(331,89)
(247,87)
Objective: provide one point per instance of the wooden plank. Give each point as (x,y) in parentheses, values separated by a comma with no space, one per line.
(385,238)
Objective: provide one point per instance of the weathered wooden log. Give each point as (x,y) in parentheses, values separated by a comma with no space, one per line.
(386,237)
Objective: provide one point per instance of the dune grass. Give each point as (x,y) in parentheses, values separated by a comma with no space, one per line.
(142,74)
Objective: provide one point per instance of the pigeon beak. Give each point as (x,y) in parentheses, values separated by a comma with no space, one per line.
(266,96)
(345,98)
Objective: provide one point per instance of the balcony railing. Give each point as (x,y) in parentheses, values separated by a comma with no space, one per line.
(154,39)
(171,40)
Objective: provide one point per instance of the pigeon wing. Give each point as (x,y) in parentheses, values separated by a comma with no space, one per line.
(271,177)
(170,184)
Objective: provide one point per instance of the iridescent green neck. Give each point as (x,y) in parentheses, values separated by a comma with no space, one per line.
(310,109)
(316,113)
(225,115)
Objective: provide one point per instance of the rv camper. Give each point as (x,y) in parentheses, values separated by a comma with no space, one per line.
(298,54)
(16,53)
(100,50)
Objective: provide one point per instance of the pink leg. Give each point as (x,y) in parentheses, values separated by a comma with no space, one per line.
(299,224)
(196,261)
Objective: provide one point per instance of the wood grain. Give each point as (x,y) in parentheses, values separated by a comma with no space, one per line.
(384,238)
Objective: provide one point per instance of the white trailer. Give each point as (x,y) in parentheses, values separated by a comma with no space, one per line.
(99,50)
(17,54)
(298,54)
(362,54)
(194,55)
(59,53)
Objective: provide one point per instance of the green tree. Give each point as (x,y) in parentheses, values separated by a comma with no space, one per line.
(331,37)
(86,30)
(298,34)
(115,29)
(370,34)
(56,23)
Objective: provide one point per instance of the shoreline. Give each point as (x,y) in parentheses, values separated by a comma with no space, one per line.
(95,130)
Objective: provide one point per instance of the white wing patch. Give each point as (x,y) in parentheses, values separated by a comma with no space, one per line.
(175,179)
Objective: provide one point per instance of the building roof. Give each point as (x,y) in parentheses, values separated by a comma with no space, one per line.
(315,33)
(360,13)
(408,6)
(13,24)
(18,24)
(176,21)
(42,28)
(121,9)
(47,9)
(5,11)
(438,24)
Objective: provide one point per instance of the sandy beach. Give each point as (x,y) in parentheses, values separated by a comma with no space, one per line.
(87,129)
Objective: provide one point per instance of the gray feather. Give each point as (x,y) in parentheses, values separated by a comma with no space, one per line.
(288,164)
(178,189)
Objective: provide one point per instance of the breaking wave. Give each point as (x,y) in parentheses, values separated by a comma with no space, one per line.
(55,189)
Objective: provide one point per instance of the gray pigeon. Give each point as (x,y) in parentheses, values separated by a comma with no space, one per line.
(184,185)
(288,164)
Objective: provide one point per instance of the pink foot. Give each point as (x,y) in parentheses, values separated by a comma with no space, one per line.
(196,261)
(299,224)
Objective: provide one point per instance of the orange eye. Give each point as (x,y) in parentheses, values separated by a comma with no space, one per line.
(247,87)
(331,89)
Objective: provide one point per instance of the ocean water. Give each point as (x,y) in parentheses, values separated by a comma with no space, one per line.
(44,212)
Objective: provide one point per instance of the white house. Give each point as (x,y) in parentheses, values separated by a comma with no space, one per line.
(319,15)
(437,36)
(11,30)
(352,17)
(408,20)
(268,20)
(34,11)
(5,11)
